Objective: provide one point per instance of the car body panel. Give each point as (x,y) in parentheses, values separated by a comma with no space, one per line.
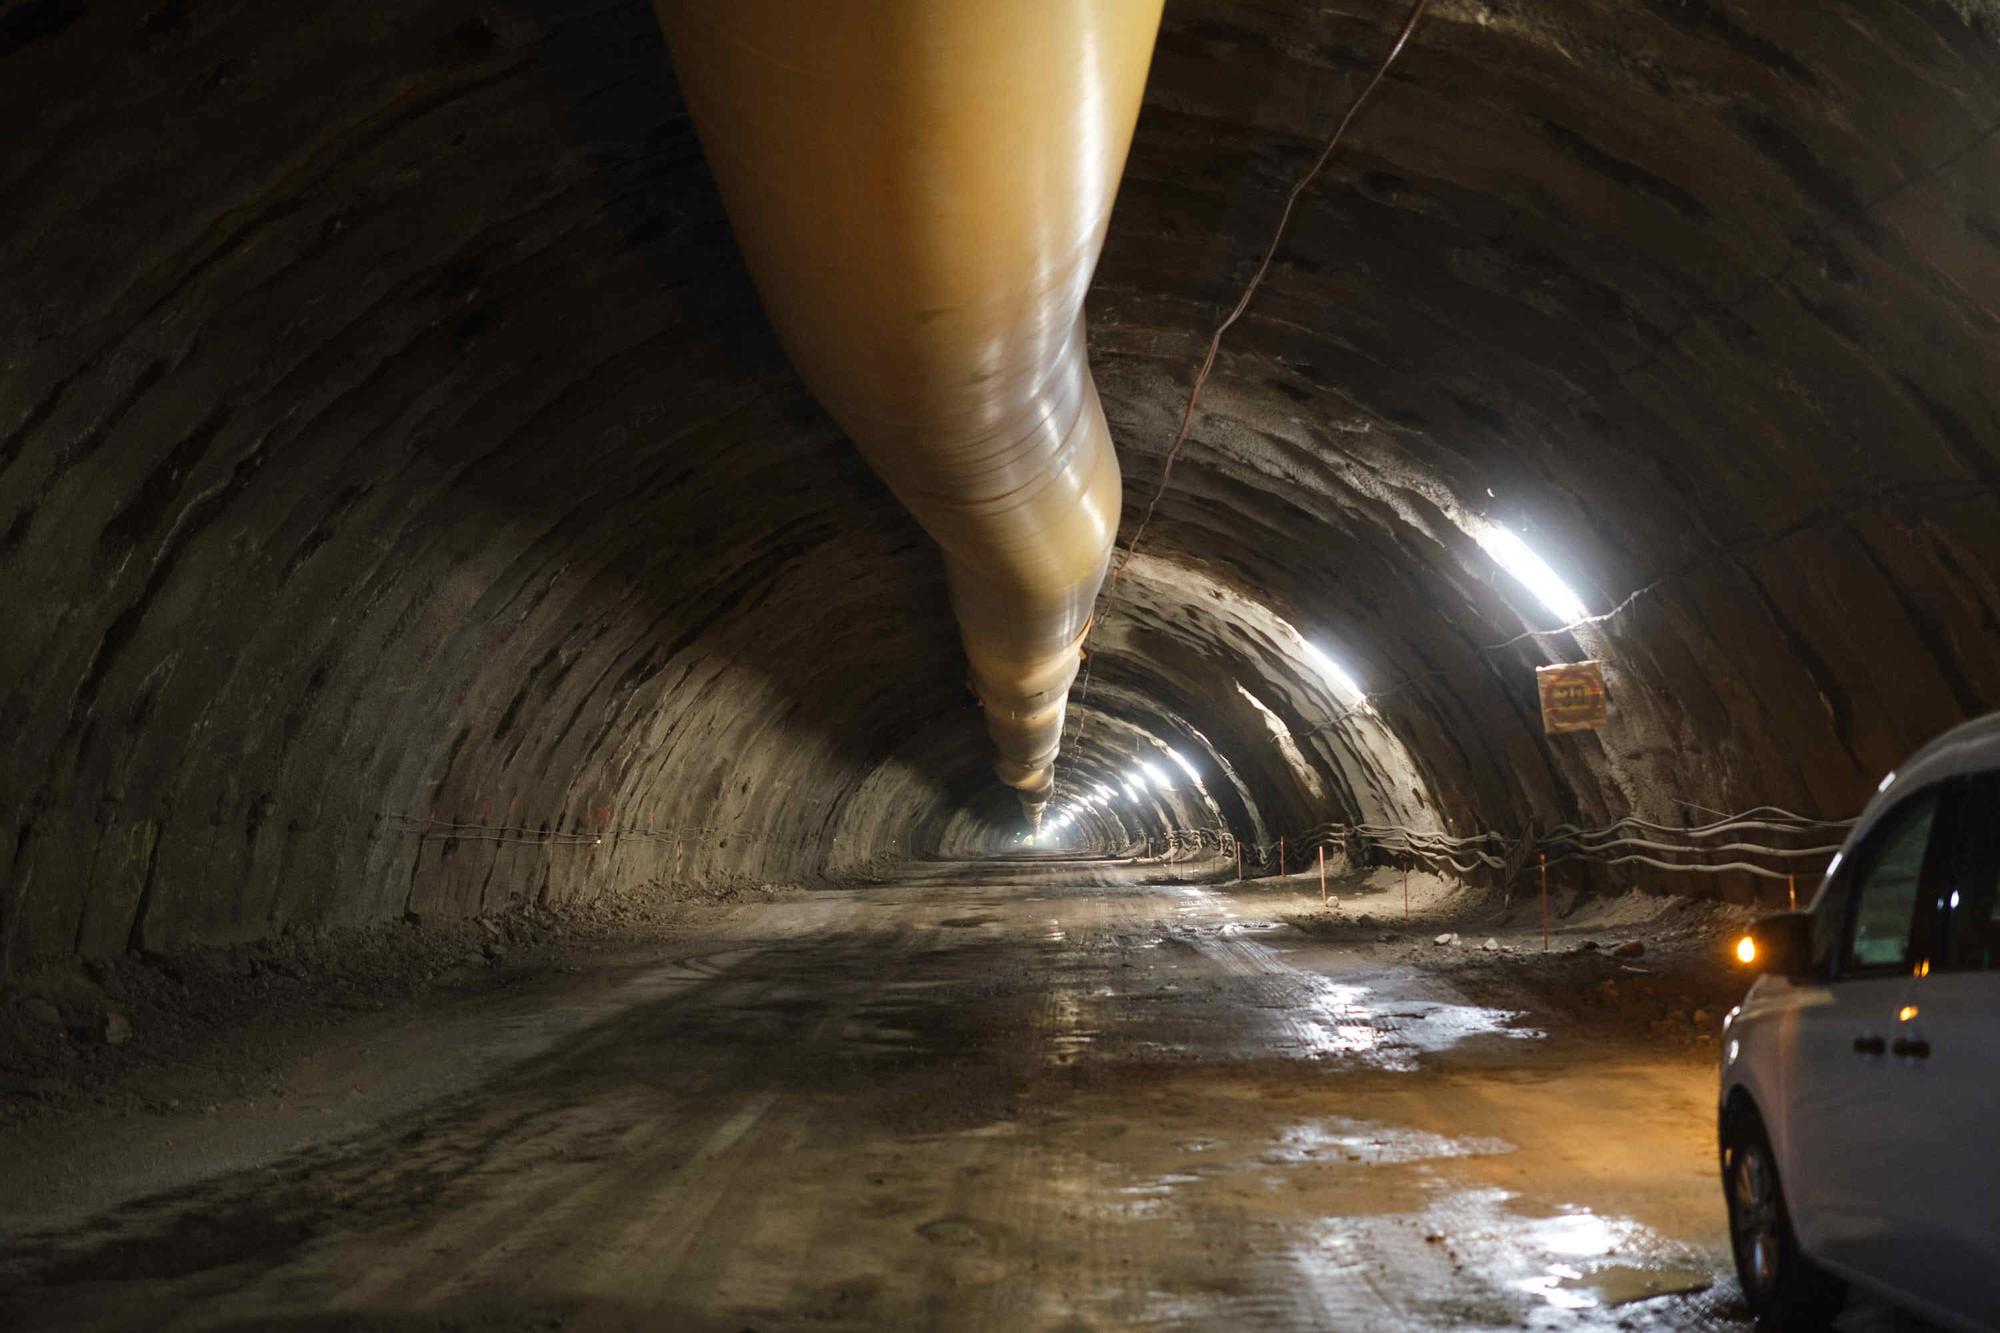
(1948,1102)
(1891,1162)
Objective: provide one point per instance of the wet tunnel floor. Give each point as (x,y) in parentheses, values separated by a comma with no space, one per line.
(1003,1100)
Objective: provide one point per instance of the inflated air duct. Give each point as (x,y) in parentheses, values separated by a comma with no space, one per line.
(920,189)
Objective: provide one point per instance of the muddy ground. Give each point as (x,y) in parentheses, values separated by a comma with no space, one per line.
(995,1096)
(203,1026)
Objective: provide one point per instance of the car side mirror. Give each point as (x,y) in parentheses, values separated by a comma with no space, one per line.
(1780,944)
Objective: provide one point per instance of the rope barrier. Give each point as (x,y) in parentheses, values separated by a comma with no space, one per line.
(1613,844)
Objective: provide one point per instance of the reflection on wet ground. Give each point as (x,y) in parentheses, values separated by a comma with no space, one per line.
(998,1098)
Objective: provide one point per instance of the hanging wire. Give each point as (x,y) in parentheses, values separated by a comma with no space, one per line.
(1215,339)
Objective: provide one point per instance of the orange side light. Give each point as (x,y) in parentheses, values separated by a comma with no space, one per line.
(1746,950)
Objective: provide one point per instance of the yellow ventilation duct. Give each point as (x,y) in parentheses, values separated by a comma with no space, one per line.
(920,189)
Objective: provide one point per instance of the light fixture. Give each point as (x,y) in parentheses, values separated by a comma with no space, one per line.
(1530,570)
(1186,767)
(1344,686)
(1746,950)
(1155,776)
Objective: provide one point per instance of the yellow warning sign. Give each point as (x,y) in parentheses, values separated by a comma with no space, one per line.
(1573,697)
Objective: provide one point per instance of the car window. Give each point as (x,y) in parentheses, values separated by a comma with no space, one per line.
(1971,899)
(1888,870)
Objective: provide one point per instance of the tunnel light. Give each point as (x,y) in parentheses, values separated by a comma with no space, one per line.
(1883,785)
(1155,776)
(1530,570)
(1746,950)
(1186,767)
(1130,794)
(1344,686)
(1137,778)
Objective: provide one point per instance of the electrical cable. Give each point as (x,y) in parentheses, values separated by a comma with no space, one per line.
(1215,344)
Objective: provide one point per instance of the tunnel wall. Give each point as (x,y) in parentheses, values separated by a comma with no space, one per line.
(1700,298)
(394,446)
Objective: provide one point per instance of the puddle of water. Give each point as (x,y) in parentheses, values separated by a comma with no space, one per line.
(1622,1284)
(1069,1047)
(1248,927)
(1337,1138)
(1334,1018)
(1604,1262)
(1069,1038)
(1478,1262)
(1153,1198)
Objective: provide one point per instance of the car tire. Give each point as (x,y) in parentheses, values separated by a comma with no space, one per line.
(1784,1289)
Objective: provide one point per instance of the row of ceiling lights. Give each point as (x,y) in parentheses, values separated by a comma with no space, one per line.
(1502,545)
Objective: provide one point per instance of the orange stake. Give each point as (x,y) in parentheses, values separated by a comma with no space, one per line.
(1545,902)
(1792,888)
(1322,876)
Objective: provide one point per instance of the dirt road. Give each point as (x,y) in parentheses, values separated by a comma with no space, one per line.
(1000,1096)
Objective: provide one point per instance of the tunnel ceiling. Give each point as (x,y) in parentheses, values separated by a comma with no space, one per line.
(404,505)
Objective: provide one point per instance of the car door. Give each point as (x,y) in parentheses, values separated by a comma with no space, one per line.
(1945,1058)
(1846,1154)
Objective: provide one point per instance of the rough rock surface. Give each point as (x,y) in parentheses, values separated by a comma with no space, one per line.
(405,508)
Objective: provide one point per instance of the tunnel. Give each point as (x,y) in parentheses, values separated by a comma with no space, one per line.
(502,827)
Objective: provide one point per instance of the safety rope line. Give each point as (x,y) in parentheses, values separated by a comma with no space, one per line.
(1611,844)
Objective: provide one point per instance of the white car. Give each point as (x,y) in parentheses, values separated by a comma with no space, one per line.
(1860,1101)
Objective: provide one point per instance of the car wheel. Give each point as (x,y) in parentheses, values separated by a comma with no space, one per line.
(1781,1286)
